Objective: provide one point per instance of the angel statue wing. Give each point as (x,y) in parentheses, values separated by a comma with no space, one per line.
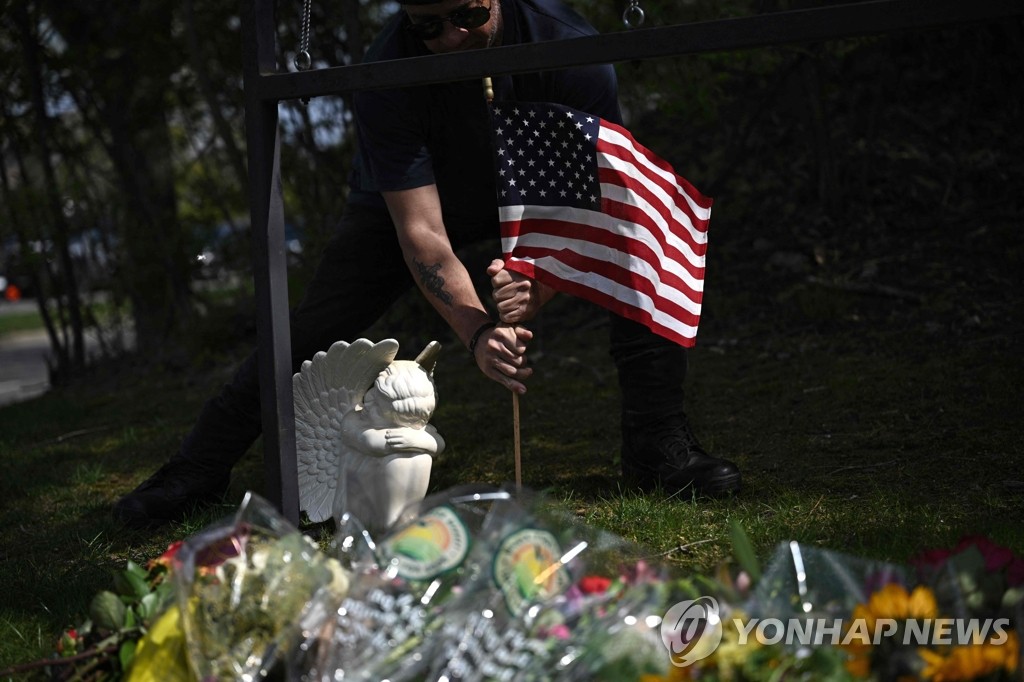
(325,389)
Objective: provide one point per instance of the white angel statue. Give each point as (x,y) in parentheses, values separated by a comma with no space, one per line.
(363,442)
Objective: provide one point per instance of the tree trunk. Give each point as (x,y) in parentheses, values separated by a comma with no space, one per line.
(43,132)
(122,93)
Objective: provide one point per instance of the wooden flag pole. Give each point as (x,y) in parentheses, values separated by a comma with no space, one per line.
(515,440)
(489,96)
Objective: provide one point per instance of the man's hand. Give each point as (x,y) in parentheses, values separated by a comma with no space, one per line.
(500,354)
(518,297)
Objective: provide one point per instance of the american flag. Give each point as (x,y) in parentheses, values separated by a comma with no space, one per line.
(590,212)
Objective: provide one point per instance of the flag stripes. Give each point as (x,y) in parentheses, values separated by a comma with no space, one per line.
(587,210)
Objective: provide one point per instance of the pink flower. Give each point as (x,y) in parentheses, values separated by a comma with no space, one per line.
(559,631)
(641,573)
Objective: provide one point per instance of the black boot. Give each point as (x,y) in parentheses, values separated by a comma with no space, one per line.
(199,473)
(658,446)
(662,452)
(176,489)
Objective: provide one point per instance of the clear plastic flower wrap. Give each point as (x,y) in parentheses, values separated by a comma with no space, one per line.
(242,586)
(801,580)
(552,586)
(383,628)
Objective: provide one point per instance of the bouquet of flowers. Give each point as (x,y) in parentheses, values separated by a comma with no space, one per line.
(242,585)
(479,583)
(954,615)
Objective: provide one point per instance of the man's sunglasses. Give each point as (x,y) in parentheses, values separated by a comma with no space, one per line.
(463,17)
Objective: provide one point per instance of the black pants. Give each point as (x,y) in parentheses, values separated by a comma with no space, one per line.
(362,272)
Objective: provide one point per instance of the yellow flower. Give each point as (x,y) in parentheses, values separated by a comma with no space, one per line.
(161,655)
(892,602)
(971,661)
(730,655)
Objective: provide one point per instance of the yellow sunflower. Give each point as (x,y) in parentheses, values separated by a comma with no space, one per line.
(892,602)
(971,661)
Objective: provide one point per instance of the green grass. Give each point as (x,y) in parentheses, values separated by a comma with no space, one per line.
(871,426)
(20,321)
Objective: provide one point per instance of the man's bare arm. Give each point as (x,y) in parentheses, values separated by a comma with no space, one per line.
(500,352)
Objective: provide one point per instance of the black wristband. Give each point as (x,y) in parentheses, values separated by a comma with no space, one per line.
(477,334)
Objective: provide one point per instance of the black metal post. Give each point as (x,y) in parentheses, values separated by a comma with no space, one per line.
(270,266)
(832,22)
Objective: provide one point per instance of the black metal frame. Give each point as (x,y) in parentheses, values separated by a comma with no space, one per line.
(265,86)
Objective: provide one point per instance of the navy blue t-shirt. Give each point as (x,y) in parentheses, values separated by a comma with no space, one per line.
(412,137)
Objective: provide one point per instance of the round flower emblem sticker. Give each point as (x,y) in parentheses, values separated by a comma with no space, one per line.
(691,630)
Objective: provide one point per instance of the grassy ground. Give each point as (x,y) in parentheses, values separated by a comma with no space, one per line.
(19,321)
(866,422)
(861,365)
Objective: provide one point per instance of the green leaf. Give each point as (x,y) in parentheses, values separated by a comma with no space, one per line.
(107,611)
(743,550)
(126,653)
(134,583)
(148,606)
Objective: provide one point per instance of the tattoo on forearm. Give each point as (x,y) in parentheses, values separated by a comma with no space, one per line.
(433,282)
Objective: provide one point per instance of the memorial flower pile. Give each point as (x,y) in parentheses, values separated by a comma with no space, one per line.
(478,584)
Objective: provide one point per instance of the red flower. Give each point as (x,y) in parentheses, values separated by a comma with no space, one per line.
(931,559)
(594,584)
(996,556)
(68,642)
(165,558)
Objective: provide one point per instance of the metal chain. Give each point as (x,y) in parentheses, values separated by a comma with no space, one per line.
(633,17)
(302,59)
